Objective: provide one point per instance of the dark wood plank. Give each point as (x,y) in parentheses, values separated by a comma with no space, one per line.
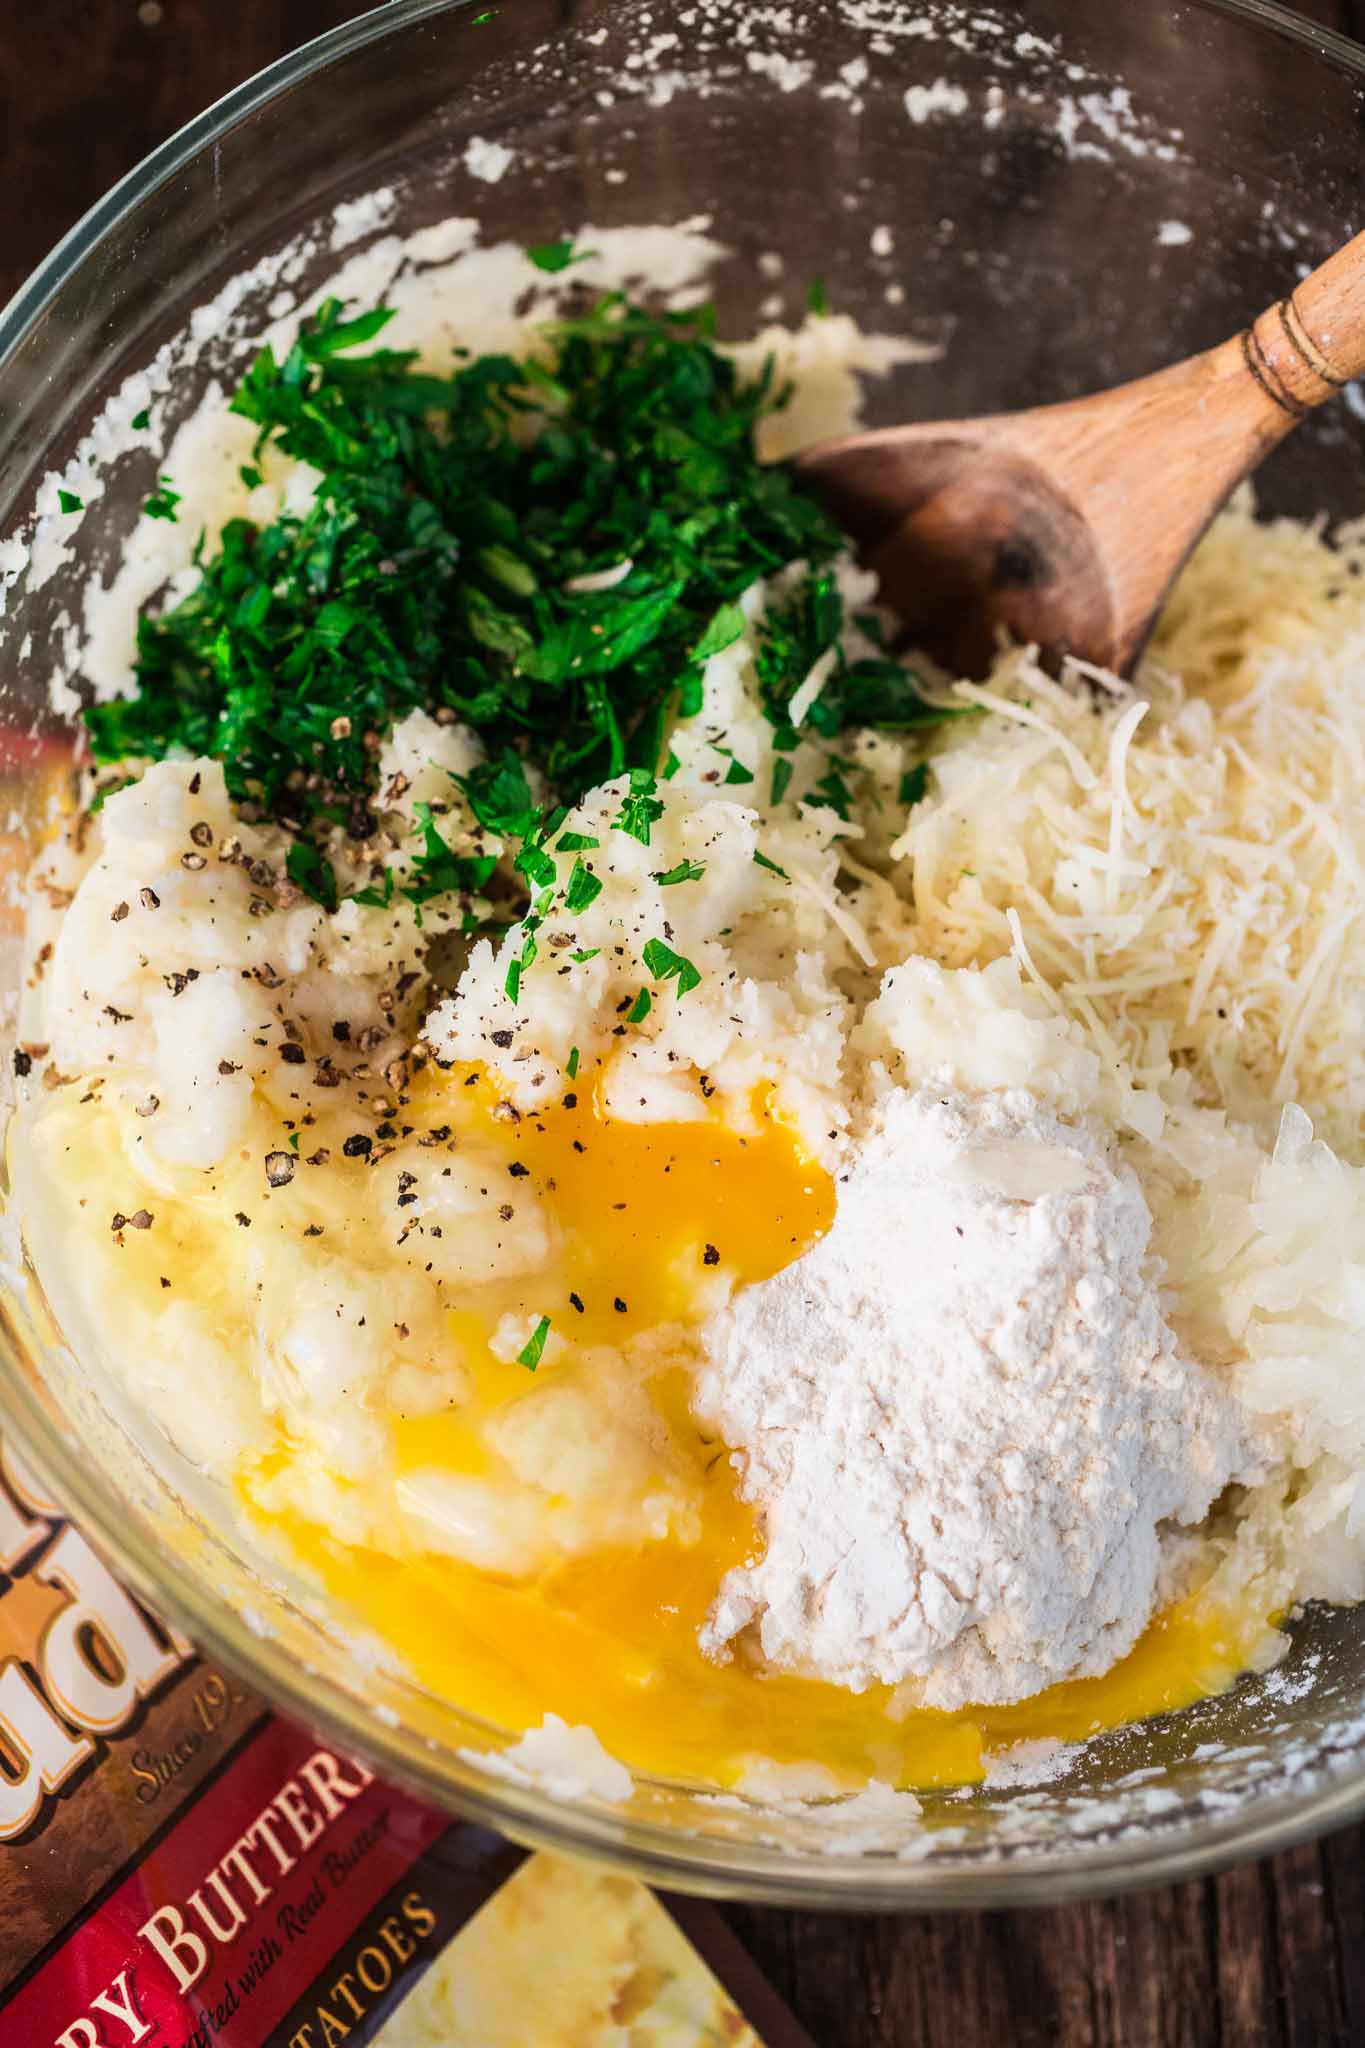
(1271,1954)
(86,91)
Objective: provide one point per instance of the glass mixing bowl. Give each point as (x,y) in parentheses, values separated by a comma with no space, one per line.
(1080,191)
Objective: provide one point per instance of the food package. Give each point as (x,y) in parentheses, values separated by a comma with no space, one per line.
(181,1867)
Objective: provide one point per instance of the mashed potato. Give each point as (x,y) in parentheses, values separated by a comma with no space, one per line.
(407,1223)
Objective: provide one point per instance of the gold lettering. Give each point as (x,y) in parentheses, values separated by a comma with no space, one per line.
(417,1913)
(385,1970)
(342,1989)
(402,1946)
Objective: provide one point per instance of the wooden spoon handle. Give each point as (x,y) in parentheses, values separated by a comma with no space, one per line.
(1146,466)
(1066,524)
(1303,350)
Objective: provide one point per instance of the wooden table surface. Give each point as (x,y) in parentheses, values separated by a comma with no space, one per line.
(1271,1953)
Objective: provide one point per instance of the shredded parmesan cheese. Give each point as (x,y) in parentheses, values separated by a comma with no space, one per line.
(1184,868)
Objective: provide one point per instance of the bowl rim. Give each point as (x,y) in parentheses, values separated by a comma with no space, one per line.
(659,1853)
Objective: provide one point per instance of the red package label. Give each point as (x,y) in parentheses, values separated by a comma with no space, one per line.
(180,1867)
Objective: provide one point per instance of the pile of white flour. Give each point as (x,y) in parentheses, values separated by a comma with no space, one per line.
(963,1415)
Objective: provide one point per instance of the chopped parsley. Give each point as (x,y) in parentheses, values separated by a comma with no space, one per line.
(536,865)
(761,860)
(664,964)
(499,795)
(557,256)
(437,870)
(724,629)
(640,1008)
(914,784)
(308,871)
(832,792)
(641,808)
(874,690)
(571,1064)
(584,888)
(434,566)
(440,566)
(530,1352)
(67,501)
(162,502)
(685,871)
(140,420)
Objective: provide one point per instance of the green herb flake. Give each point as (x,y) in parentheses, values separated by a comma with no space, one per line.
(140,420)
(671,766)
(782,775)
(737,772)
(536,865)
(641,809)
(571,1064)
(293,1141)
(685,871)
(438,567)
(556,256)
(664,964)
(724,629)
(309,869)
(584,888)
(761,860)
(250,475)
(588,953)
(376,898)
(531,1351)
(439,872)
(832,792)
(162,502)
(640,1008)
(499,795)
(817,297)
(914,784)
(69,502)
(576,842)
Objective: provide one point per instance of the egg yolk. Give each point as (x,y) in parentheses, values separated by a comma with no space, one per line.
(610,1637)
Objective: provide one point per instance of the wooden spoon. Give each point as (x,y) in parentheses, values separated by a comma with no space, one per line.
(1067,524)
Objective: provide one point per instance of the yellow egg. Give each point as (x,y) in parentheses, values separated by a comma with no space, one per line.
(609,1637)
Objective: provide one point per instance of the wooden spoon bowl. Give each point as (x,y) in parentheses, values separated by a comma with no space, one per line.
(1066,525)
